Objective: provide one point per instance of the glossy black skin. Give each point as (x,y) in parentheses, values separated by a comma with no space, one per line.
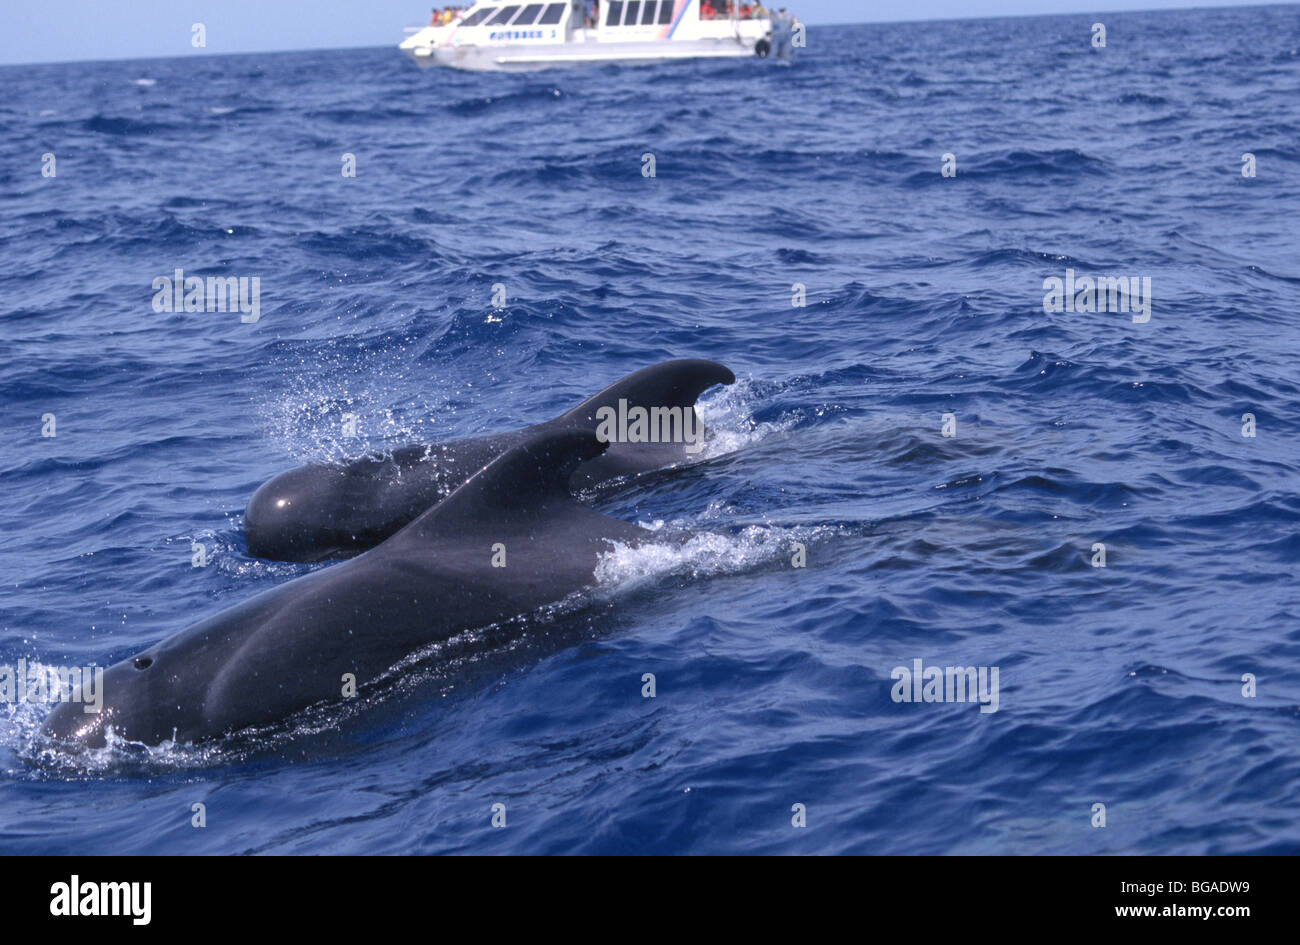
(321,511)
(289,647)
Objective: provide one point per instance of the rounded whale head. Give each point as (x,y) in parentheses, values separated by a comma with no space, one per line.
(318,511)
(127,700)
(290,517)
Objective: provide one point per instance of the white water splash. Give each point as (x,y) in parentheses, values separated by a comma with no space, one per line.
(729,417)
(308,420)
(702,555)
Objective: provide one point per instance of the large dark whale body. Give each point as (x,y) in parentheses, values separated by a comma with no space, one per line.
(288,648)
(320,511)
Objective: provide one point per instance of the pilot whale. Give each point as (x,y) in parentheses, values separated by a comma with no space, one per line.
(322,510)
(291,647)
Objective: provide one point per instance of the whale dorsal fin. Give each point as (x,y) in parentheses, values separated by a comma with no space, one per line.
(527,480)
(670,384)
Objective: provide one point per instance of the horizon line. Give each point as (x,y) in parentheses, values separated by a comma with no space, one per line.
(938,19)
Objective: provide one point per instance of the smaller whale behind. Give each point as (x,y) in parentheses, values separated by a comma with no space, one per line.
(323,510)
(289,648)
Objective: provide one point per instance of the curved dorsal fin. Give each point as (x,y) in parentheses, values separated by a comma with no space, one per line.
(670,384)
(525,479)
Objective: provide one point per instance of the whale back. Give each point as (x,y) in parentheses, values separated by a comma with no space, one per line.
(507,542)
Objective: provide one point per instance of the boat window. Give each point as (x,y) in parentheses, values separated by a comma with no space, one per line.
(477,16)
(552,15)
(505,15)
(633,12)
(648,13)
(530,14)
(615,15)
(666,11)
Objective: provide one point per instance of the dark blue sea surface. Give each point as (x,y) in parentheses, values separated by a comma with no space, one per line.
(1119,686)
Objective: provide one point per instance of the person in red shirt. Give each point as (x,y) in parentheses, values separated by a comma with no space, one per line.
(706,11)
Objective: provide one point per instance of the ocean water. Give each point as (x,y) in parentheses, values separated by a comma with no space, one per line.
(1119,685)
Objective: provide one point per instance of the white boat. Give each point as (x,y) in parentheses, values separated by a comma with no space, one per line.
(504,35)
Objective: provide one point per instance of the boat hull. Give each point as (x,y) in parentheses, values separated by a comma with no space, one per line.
(524,58)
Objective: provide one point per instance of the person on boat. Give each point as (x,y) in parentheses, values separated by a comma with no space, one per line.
(706,11)
(593,12)
(758,13)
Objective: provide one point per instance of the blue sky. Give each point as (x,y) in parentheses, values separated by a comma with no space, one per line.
(61,30)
